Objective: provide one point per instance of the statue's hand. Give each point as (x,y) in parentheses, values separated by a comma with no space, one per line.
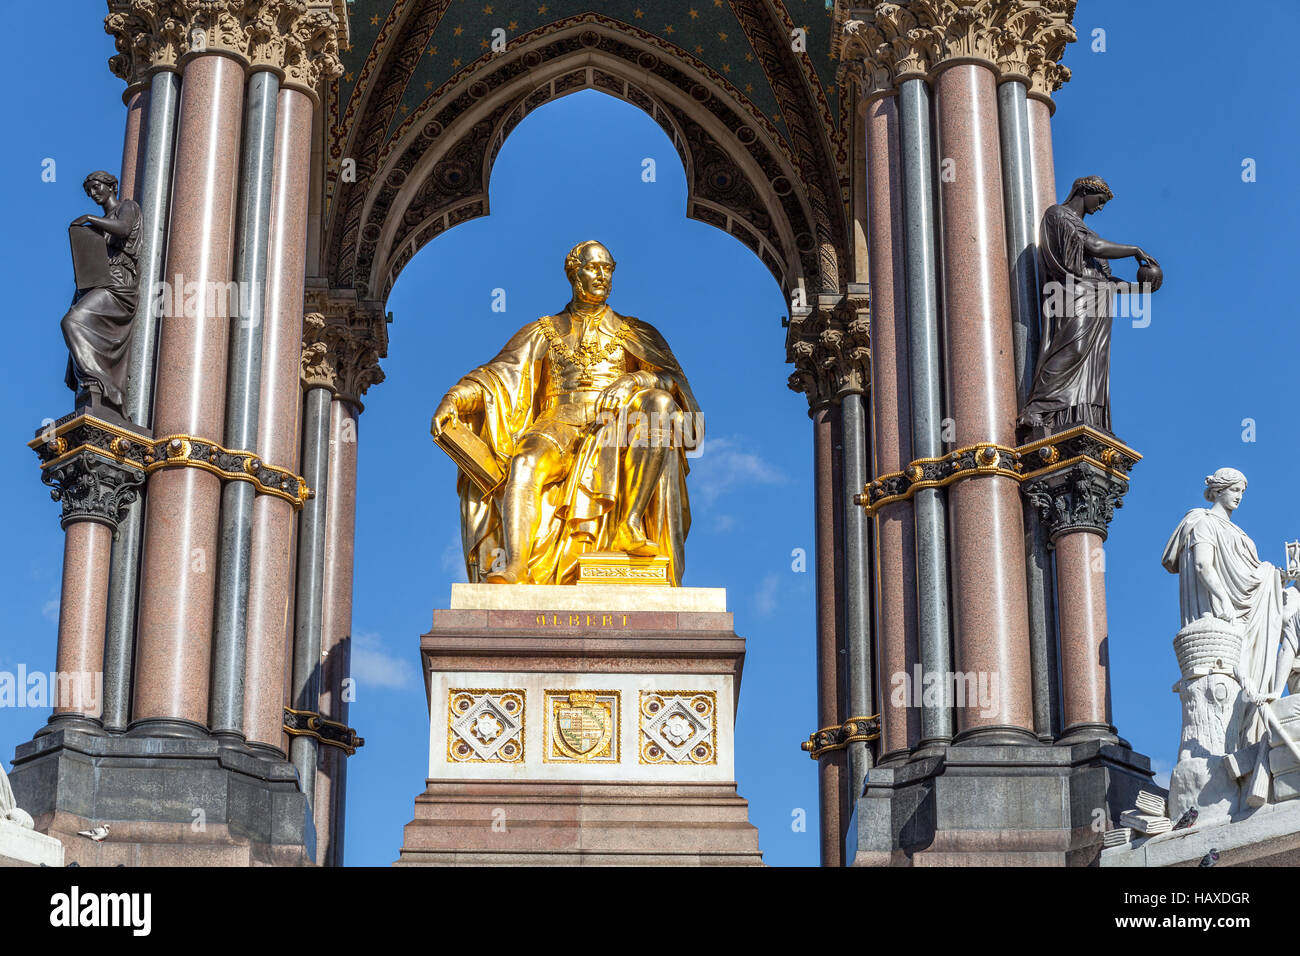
(82,220)
(618,393)
(444,415)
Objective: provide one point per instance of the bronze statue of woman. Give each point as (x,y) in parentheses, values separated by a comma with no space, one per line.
(97,328)
(1072,381)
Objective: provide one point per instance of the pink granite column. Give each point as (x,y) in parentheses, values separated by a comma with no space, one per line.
(1085,658)
(1040,139)
(133,142)
(830,765)
(83,609)
(270,591)
(180,542)
(991,645)
(895,584)
(336,624)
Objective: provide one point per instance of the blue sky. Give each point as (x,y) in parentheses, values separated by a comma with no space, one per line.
(1146,114)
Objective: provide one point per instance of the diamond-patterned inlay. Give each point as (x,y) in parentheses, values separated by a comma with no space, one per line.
(679,727)
(485,725)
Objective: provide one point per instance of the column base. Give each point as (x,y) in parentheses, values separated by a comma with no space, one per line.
(996,805)
(1077,733)
(167,801)
(167,727)
(78,722)
(1000,735)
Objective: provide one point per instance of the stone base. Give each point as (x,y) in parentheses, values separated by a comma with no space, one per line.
(581,725)
(1270,836)
(149,790)
(1003,805)
(464,823)
(20,846)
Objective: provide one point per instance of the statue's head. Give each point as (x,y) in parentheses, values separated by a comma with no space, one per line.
(1093,191)
(1225,487)
(590,269)
(99,185)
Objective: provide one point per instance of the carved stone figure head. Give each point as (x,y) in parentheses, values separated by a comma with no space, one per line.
(100,185)
(1225,487)
(590,269)
(1093,192)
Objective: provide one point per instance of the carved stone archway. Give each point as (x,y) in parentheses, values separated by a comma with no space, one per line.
(433,171)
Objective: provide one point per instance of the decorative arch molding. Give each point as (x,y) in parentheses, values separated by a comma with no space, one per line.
(433,172)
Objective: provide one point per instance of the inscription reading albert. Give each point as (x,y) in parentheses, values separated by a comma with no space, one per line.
(582,620)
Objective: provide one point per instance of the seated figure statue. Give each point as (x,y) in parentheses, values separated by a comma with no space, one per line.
(588,414)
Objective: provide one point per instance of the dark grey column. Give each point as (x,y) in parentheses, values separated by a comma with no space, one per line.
(857,588)
(124,566)
(934,635)
(1022,252)
(243,390)
(311,579)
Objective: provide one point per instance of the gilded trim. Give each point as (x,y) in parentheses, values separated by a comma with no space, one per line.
(833,738)
(308,723)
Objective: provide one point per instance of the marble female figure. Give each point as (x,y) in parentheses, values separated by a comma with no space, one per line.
(97,328)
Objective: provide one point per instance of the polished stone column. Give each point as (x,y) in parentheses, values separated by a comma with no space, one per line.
(933,634)
(895,530)
(180,540)
(1021,203)
(83,603)
(336,626)
(1085,656)
(1039,115)
(831,767)
(272,543)
(990,612)
(243,394)
(306,681)
(154,178)
(134,142)
(857,584)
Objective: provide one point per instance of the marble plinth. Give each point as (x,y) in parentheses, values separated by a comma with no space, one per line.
(1269,836)
(581,725)
(168,801)
(20,846)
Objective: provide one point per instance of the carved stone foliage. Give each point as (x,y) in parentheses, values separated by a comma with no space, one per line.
(887,41)
(341,349)
(299,37)
(830,347)
(1079,498)
(92,487)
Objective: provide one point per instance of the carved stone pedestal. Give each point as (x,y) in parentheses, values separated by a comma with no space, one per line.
(581,725)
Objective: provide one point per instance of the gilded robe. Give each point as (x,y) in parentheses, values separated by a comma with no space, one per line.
(525,392)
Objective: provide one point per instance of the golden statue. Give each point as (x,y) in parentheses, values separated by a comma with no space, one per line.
(572,441)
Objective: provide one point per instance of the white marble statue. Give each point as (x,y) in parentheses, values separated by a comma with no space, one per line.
(1236,649)
(9,810)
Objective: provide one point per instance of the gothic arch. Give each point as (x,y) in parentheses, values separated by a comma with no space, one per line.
(431,171)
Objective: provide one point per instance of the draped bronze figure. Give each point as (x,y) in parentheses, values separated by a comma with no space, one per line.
(97,328)
(1072,381)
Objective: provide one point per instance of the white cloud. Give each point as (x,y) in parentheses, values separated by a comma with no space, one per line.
(372,666)
(1162,769)
(726,463)
(769,590)
(50,610)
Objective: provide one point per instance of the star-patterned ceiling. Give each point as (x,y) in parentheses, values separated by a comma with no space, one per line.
(707,30)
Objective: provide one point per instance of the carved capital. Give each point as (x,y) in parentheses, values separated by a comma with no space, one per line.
(1079,498)
(884,42)
(342,344)
(297,38)
(830,346)
(92,487)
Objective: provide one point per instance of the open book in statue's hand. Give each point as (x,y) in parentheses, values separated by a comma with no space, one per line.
(471,454)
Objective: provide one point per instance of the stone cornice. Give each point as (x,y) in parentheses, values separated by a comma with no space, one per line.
(885,42)
(830,346)
(298,39)
(342,343)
